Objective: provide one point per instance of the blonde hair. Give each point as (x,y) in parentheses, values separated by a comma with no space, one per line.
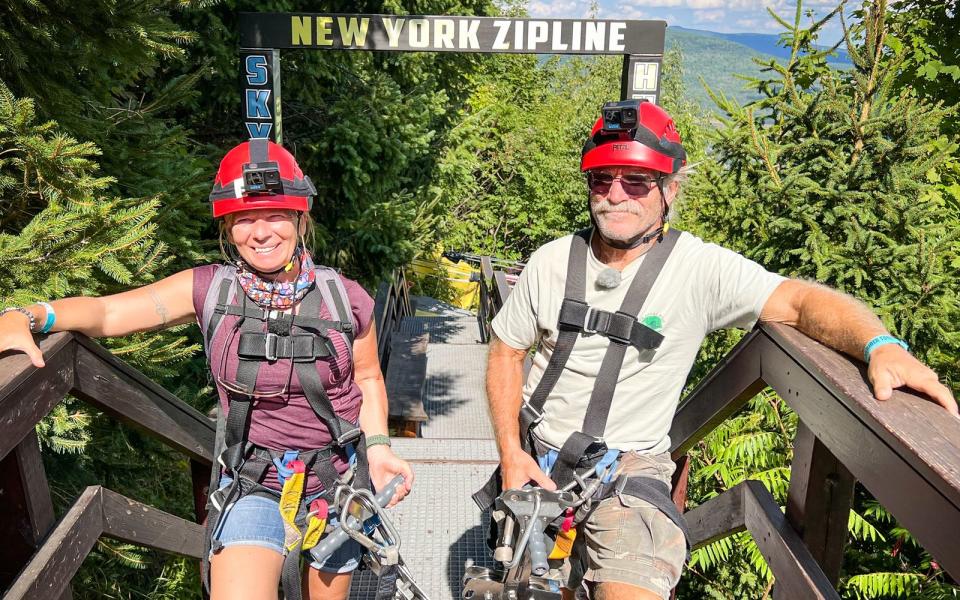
(308,239)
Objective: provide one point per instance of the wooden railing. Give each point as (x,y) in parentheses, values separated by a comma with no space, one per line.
(905,451)
(390,306)
(494,290)
(38,556)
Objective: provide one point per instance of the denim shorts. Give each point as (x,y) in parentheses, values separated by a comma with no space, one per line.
(256,521)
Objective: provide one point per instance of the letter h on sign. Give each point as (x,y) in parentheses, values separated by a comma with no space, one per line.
(261,93)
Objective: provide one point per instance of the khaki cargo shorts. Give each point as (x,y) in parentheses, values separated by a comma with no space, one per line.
(628,540)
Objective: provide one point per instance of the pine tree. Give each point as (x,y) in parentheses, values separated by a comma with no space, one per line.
(834,176)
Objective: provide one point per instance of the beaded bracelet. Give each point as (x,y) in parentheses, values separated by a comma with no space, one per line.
(20,309)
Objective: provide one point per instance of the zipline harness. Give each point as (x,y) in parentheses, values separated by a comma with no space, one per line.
(584,461)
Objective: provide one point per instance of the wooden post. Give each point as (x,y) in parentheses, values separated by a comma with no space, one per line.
(819,500)
(27,508)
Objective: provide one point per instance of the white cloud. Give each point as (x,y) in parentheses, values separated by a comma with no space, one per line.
(709,16)
(568,9)
(628,10)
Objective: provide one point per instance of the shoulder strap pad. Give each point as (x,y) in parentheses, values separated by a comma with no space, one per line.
(223,284)
(338,302)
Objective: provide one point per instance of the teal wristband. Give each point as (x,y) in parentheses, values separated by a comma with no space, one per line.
(378,440)
(881,340)
(51,317)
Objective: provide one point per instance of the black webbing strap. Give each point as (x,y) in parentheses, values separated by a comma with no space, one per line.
(649,490)
(595,419)
(619,326)
(572,455)
(575,289)
(223,299)
(255,312)
(342,431)
(301,347)
(342,311)
(601,398)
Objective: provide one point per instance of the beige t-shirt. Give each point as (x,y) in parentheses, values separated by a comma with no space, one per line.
(702,287)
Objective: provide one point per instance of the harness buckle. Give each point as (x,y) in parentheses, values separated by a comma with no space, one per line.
(529,414)
(270,342)
(588,323)
(596,320)
(348,437)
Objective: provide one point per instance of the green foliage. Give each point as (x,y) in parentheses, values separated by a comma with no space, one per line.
(367,127)
(63,234)
(845,177)
(925,36)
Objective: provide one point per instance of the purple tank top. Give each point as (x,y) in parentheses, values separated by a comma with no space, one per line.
(288,422)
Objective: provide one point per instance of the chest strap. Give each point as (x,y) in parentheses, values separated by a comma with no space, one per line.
(621,328)
(577,317)
(302,347)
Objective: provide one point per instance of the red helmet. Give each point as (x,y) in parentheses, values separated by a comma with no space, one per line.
(260,174)
(646,138)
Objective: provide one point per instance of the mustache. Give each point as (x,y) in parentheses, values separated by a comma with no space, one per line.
(605,206)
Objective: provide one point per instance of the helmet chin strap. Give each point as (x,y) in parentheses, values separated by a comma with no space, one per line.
(641,238)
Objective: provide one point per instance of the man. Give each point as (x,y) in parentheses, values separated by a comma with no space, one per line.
(603,379)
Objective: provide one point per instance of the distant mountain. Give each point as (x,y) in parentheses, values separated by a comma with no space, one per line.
(766,43)
(718,58)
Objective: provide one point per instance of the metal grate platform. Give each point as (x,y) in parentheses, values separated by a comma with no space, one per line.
(440,527)
(445,450)
(444,330)
(454,396)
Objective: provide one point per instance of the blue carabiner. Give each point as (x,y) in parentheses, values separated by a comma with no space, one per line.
(283,471)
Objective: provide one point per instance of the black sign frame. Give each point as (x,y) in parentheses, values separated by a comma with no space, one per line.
(264,35)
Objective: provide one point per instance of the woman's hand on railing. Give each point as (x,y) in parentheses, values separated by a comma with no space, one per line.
(893,367)
(15,335)
(384,466)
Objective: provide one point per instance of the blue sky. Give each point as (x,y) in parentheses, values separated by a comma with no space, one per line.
(725,16)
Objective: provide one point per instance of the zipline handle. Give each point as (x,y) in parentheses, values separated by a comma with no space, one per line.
(329,544)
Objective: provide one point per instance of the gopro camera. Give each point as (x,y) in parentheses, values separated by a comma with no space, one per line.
(262,178)
(621,116)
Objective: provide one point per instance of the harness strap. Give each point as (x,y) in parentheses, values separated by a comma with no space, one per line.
(299,347)
(575,289)
(261,314)
(620,327)
(649,490)
(595,420)
(387,584)
(224,295)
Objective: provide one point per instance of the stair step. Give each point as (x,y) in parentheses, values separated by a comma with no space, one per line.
(445,450)
(444,330)
(454,397)
(440,527)
(406,376)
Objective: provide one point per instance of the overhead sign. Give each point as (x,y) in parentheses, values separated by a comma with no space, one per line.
(450,34)
(260,82)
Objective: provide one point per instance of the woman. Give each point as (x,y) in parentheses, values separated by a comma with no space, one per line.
(293,352)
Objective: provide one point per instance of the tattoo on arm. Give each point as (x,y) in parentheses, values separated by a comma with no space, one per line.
(159,306)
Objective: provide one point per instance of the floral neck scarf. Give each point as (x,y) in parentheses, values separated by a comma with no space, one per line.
(273,294)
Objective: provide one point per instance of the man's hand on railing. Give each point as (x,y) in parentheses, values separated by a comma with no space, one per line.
(893,367)
(15,335)
(518,468)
